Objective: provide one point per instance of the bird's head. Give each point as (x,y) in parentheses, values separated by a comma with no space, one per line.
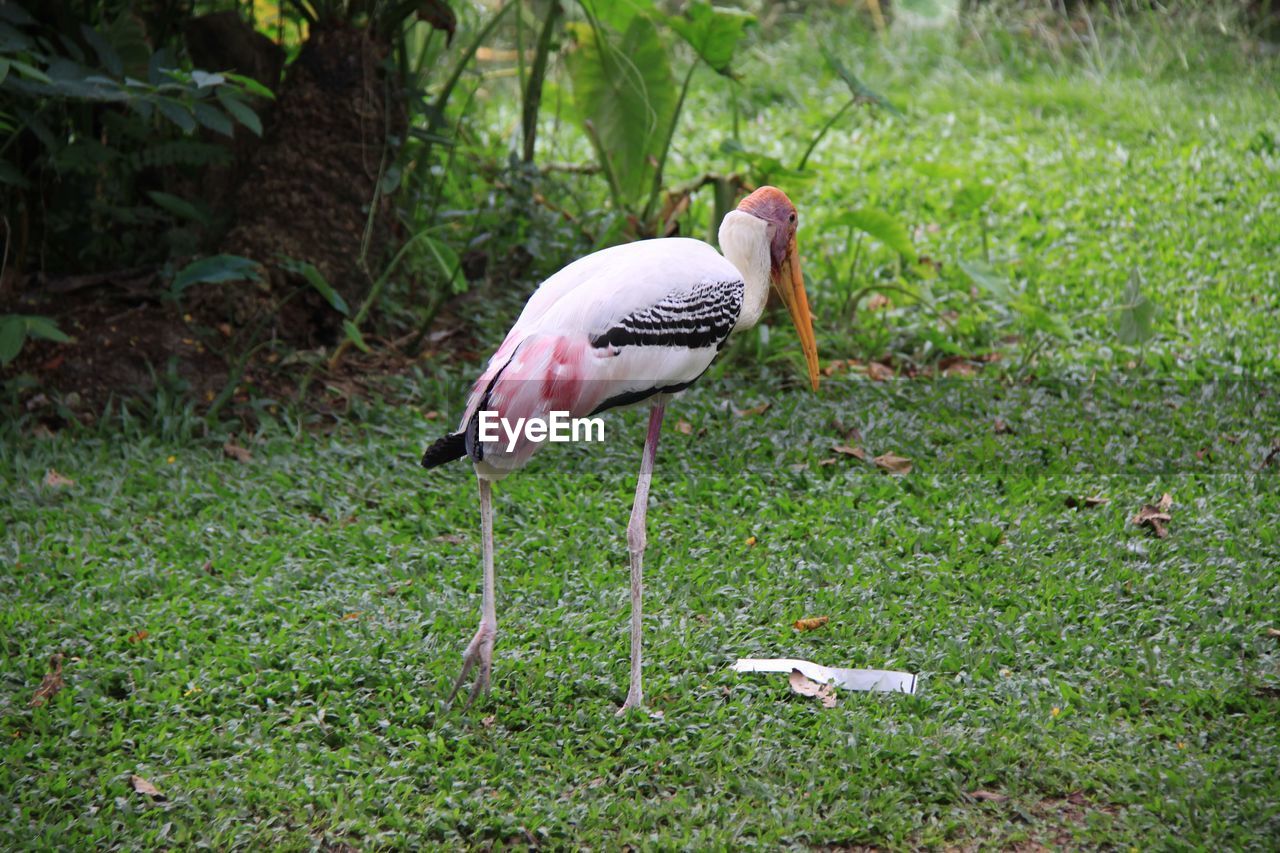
(779,214)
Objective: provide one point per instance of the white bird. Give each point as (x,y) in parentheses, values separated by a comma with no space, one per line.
(627,324)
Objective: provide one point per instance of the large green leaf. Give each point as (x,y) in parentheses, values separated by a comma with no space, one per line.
(857,88)
(215,269)
(251,86)
(354,335)
(212,118)
(242,111)
(317,280)
(179,207)
(617,14)
(45,328)
(449,263)
(987,279)
(625,98)
(713,32)
(13,333)
(177,113)
(971,198)
(883,226)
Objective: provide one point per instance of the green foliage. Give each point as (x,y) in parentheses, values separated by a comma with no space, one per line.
(987,279)
(305,613)
(16,328)
(625,97)
(87,123)
(881,225)
(713,32)
(1136,317)
(354,335)
(213,270)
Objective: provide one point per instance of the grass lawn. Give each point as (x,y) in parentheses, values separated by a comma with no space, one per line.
(268,642)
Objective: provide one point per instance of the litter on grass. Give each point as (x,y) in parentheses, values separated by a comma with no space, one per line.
(866,680)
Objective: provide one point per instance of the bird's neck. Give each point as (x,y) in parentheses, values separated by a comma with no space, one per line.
(744,239)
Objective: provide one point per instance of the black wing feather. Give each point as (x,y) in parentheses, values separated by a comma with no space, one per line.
(702,316)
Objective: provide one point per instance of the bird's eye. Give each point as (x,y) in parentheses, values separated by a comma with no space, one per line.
(792,217)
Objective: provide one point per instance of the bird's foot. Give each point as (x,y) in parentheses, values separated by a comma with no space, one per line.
(635,699)
(479,653)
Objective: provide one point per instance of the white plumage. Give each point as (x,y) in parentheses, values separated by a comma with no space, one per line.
(631,323)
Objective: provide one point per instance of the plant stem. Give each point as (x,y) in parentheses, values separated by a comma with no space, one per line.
(533,89)
(443,98)
(666,145)
(804,161)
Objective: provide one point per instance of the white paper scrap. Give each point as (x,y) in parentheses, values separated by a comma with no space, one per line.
(878,680)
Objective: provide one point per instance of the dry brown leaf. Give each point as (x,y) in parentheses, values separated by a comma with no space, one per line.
(877,372)
(822,463)
(684,427)
(142,786)
(1002,428)
(1073,502)
(450,538)
(1272,456)
(488,721)
(958,367)
(1156,516)
(988,796)
(236,452)
(54,480)
(855,452)
(878,301)
(431,415)
(51,684)
(894,464)
(751,541)
(139,635)
(754,410)
(804,686)
(1274,632)
(798,467)
(352,616)
(810,623)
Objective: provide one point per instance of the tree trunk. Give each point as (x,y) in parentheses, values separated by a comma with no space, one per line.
(306,195)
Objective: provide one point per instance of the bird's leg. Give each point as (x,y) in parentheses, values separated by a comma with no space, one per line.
(480,649)
(636,541)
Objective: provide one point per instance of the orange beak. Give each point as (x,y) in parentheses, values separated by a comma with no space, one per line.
(790,286)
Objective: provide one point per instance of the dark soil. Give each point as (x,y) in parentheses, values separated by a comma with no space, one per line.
(129,343)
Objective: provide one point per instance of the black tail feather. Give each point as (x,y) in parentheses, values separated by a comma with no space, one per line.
(452,446)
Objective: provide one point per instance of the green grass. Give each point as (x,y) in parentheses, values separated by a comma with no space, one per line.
(290,692)
(305,612)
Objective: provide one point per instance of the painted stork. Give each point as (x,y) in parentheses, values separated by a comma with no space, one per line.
(627,324)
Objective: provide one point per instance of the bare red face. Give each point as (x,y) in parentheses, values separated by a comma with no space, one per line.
(772,205)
